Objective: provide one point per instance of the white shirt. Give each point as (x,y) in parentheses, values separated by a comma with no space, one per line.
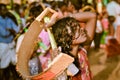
(113,8)
(98,27)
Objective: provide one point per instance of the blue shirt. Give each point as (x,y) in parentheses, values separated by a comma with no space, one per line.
(7,23)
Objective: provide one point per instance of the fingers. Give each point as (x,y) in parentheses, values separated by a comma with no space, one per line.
(52,20)
(81,38)
(82,32)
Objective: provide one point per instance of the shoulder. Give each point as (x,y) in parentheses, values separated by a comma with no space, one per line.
(12,18)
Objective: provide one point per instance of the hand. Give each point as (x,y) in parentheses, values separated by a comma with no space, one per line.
(81,38)
(52,20)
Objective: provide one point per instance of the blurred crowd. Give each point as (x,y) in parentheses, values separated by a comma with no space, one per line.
(16,19)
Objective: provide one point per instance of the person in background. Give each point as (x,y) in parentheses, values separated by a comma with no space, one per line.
(105,25)
(116,14)
(73,6)
(111,30)
(16,12)
(113,9)
(98,32)
(8,30)
(61,8)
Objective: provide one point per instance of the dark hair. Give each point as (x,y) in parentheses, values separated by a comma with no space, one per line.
(16,7)
(35,9)
(64,31)
(77,3)
(61,4)
(111,19)
(8,14)
(2,5)
(3,8)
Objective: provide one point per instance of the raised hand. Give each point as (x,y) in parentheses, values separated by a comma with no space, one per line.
(80,37)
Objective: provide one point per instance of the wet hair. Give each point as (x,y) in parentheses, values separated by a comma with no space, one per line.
(64,32)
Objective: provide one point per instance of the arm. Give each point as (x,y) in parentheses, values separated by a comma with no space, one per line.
(89,19)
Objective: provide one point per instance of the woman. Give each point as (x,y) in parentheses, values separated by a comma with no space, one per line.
(75,40)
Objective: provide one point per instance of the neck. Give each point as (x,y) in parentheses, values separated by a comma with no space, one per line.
(74,50)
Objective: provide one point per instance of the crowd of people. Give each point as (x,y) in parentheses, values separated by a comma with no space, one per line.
(77,27)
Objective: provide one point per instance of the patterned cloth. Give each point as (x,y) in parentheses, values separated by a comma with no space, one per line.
(85,73)
(84,65)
